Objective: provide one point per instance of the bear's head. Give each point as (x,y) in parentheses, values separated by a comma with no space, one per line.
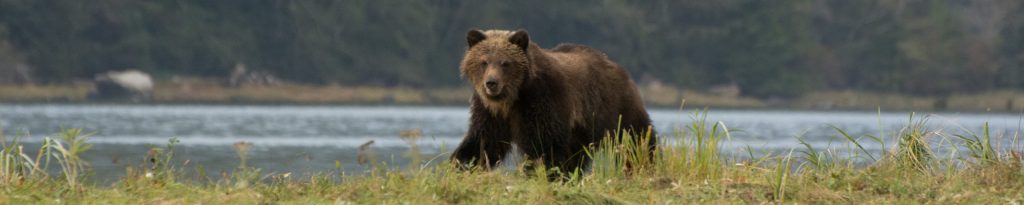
(496,63)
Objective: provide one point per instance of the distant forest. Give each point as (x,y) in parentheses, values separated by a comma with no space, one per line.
(777,48)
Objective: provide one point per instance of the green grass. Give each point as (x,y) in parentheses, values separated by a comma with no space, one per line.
(687,168)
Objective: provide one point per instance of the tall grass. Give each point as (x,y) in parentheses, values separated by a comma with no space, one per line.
(67,153)
(694,151)
(912,149)
(778,177)
(687,166)
(980,148)
(623,153)
(17,167)
(822,161)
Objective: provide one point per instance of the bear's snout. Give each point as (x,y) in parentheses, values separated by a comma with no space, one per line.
(491,84)
(492,87)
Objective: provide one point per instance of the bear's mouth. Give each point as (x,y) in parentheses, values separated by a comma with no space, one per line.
(493,91)
(493,94)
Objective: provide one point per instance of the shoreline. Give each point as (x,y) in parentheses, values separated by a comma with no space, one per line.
(685,109)
(204,93)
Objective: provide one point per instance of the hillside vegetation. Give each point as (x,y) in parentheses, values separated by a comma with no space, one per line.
(782,48)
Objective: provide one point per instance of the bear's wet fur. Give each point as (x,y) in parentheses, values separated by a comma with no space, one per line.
(551,104)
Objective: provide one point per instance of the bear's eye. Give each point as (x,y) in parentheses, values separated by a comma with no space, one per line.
(504,64)
(484,63)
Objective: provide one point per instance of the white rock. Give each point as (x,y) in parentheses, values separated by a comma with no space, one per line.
(133,80)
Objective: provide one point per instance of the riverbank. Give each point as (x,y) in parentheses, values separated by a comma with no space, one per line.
(689,170)
(205,92)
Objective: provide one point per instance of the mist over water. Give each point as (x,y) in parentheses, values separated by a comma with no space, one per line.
(309,139)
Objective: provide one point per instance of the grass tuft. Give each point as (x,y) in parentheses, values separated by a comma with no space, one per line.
(912,150)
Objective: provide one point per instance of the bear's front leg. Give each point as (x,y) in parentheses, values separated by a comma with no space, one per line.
(478,150)
(548,139)
(486,143)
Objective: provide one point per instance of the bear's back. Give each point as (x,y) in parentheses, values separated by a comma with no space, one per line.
(601,88)
(579,59)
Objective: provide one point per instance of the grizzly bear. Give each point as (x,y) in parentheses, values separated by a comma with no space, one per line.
(551,104)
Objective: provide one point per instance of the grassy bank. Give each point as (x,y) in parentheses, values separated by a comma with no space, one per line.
(204,91)
(688,169)
(200,91)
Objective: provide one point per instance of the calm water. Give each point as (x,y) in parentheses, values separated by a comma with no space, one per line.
(309,139)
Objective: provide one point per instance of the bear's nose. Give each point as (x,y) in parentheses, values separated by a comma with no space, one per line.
(491,84)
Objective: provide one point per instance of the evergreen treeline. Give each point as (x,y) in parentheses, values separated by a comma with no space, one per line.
(769,48)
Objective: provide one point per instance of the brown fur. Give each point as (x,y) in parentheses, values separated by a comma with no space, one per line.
(549,103)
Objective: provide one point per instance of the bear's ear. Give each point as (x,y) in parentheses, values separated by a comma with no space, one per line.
(474,36)
(520,38)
